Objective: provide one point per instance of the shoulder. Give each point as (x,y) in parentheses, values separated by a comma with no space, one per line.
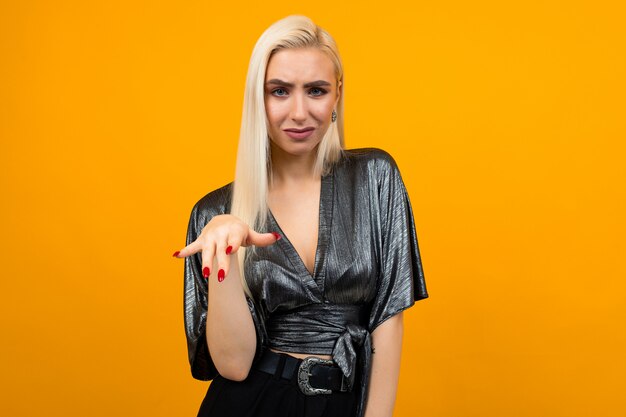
(374,160)
(213,203)
(374,169)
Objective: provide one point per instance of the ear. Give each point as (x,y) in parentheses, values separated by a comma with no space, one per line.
(339,91)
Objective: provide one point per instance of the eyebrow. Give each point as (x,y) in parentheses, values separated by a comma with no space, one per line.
(318,83)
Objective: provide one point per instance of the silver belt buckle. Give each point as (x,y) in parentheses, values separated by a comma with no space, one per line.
(304,372)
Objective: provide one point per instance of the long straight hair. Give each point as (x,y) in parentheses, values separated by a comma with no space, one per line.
(253,172)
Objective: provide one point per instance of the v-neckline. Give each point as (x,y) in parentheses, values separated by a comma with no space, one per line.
(323,232)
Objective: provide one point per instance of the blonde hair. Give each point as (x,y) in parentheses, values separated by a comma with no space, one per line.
(253,172)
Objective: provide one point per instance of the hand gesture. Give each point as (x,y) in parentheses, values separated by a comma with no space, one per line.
(222,237)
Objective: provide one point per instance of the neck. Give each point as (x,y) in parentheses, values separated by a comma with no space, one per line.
(288,168)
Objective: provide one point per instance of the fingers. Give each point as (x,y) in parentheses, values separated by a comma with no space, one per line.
(233,246)
(188,250)
(261,239)
(220,239)
(223,261)
(208,255)
(225,254)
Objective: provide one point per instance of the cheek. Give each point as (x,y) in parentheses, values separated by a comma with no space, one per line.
(324,109)
(274,112)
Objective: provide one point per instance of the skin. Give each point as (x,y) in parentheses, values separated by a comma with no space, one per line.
(301,90)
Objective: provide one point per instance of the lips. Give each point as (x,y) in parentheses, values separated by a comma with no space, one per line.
(304,133)
(306,129)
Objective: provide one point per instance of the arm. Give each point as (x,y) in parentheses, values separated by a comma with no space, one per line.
(217,311)
(230,331)
(387,343)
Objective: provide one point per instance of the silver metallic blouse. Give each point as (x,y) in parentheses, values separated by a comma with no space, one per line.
(367,269)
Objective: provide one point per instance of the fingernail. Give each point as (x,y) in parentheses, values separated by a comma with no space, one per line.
(276,235)
(206,272)
(220,275)
(176,253)
(229,250)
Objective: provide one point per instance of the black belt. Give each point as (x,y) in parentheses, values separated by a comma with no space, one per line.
(314,375)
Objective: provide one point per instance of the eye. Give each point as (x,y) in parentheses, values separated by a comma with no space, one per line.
(279,92)
(317,91)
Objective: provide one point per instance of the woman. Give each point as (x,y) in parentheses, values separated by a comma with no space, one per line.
(297,273)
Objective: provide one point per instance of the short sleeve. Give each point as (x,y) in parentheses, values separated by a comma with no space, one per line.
(195,300)
(401,280)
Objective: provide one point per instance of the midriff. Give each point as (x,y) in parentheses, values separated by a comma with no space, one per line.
(302,355)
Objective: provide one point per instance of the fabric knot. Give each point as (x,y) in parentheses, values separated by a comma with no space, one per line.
(345,351)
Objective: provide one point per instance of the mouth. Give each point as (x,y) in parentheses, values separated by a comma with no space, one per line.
(299,133)
(306,129)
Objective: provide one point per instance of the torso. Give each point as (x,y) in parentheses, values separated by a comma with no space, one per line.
(296,308)
(297,213)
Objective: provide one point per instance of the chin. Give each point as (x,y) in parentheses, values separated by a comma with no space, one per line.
(301,150)
(297,148)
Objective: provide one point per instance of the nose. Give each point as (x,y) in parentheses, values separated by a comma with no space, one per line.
(298,108)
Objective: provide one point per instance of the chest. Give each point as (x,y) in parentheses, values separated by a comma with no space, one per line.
(346,258)
(297,214)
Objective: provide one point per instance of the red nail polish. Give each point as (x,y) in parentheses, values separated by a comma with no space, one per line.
(220,275)
(276,235)
(229,250)
(176,253)
(206,272)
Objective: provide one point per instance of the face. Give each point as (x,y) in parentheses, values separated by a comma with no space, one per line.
(300,94)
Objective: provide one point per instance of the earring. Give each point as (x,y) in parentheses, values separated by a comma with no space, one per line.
(334,116)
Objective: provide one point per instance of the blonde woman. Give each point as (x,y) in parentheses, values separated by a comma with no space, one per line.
(297,273)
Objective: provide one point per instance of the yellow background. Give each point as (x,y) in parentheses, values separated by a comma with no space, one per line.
(507,122)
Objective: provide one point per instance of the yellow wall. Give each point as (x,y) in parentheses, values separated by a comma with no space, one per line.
(507,122)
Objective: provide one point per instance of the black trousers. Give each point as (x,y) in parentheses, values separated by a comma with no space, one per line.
(265,395)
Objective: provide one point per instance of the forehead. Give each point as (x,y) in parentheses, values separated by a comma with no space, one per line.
(301,64)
